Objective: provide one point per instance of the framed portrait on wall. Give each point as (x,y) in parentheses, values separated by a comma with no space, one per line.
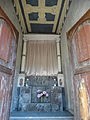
(21,80)
(61,80)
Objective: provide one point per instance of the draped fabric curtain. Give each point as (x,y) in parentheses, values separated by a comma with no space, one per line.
(41,58)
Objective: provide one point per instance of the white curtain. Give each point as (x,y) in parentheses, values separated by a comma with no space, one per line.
(41,58)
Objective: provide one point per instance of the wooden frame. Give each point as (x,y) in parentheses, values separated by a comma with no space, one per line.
(84,18)
(6,18)
(81,24)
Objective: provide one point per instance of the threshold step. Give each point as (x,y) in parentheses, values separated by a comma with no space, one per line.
(41,116)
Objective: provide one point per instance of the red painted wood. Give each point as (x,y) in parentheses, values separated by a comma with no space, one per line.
(5,40)
(87,34)
(7,63)
(83,43)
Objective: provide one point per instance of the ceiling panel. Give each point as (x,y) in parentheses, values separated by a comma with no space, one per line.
(41,16)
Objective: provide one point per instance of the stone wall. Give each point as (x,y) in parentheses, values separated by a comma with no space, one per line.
(77,9)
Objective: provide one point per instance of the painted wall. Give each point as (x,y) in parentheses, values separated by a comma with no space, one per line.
(8,8)
(77,9)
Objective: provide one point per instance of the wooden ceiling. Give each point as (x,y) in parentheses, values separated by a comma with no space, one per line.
(41,16)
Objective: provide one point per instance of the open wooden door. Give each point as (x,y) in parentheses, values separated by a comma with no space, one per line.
(79,49)
(7,62)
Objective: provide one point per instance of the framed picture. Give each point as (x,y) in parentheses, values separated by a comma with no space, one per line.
(21,80)
(61,80)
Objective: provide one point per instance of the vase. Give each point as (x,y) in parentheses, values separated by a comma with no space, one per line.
(42,99)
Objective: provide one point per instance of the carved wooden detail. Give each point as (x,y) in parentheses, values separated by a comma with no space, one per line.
(85,17)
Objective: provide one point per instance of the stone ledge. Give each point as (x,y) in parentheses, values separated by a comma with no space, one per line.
(41,118)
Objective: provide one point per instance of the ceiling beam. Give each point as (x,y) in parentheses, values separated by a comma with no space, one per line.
(27,37)
(66,6)
(19,13)
(57,15)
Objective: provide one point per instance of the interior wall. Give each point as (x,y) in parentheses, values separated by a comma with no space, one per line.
(8,8)
(77,9)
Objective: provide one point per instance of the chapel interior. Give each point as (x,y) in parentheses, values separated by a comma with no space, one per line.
(45,59)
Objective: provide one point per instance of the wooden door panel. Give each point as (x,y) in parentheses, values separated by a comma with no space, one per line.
(5,95)
(86,77)
(7,63)
(5,40)
(83,43)
(79,48)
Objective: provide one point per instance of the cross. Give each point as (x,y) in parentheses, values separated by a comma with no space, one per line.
(41,12)
(41,9)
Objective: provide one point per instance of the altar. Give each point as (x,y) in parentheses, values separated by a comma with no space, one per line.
(40,94)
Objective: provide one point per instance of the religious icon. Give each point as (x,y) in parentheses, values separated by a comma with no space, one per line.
(21,80)
(60,80)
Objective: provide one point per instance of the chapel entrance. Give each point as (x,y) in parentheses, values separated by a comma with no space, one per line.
(41,83)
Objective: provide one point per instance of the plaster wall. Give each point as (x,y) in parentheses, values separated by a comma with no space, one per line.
(8,8)
(77,9)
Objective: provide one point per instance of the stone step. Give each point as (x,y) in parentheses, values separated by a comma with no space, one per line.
(41,116)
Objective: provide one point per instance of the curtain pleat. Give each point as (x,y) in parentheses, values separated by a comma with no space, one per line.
(41,58)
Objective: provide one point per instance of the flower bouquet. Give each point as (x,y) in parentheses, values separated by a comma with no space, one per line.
(41,94)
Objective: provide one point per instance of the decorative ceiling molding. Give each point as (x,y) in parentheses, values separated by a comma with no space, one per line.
(63,16)
(58,7)
(27,37)
(20,16)
(41,16)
